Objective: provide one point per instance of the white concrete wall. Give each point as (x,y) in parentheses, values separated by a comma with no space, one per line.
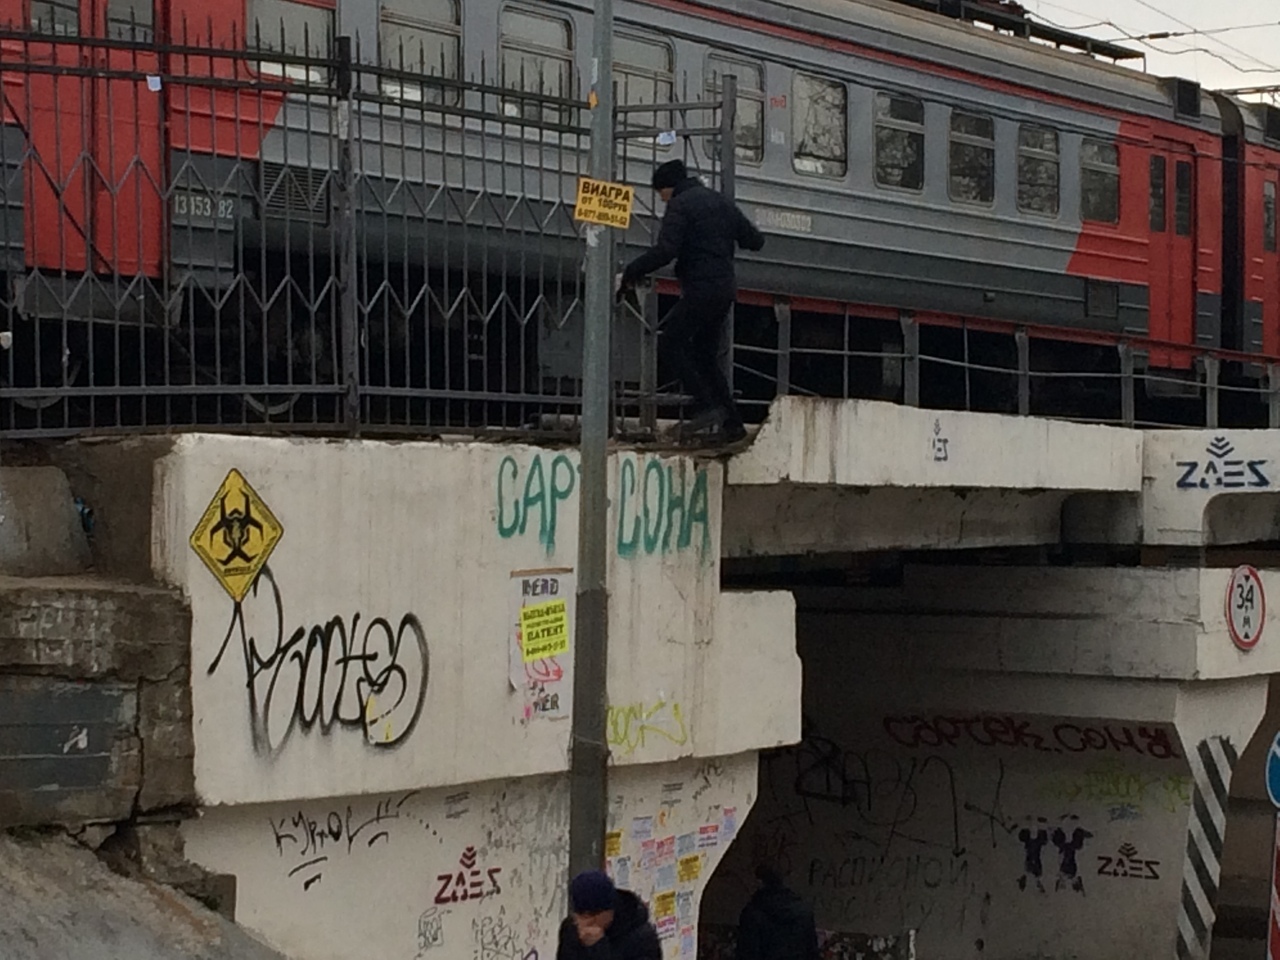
(436,539)
(1187,472)
(862,443)
(471,872)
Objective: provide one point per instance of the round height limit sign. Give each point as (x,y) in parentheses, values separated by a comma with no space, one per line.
(1246,608)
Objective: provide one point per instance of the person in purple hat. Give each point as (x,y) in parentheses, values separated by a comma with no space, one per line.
(606,923)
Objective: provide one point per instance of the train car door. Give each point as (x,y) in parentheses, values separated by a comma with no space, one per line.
(45,94)
(1172,251)
(91,118)
(127,145)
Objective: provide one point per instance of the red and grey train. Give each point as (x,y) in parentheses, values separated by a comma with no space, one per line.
(901,161)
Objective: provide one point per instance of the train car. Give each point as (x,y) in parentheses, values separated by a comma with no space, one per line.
(185,160)
(1251,309)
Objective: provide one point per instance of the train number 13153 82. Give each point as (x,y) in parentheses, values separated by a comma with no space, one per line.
(204,206)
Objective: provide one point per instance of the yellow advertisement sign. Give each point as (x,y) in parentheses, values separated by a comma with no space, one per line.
(544,630)
(613,843)
(690,868)
(664,905)
(235,535)
(608,204)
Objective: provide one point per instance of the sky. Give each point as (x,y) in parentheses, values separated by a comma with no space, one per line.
(1247,57)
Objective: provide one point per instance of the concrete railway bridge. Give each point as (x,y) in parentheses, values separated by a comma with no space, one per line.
(981,686)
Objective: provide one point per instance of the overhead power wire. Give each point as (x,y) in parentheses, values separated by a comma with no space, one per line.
(1191,26)
(1171,34)
(1146,41)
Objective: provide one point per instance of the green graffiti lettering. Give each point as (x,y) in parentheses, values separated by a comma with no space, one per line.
(626,488)
(653,535)
(658,508)
(535,496)
(508,530)
(697,514)
(560,492)
(674,504)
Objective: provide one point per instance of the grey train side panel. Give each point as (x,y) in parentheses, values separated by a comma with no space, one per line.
(864,243)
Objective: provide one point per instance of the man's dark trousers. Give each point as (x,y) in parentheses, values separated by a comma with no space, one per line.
(690,344)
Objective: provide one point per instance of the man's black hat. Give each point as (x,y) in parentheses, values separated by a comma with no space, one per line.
(670,175)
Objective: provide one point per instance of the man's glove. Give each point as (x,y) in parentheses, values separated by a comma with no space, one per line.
(621,287)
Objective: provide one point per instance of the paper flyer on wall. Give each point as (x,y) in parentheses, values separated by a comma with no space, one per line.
(540,645)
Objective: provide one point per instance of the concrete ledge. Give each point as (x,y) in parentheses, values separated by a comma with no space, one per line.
(785,519)
(755,700)
(1136,624)
(95,683)
(859,443)
(40,531)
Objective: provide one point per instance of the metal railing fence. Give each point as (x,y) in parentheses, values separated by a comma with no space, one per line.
(250,240)
(253,240)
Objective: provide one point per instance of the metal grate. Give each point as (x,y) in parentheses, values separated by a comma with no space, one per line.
(295,192)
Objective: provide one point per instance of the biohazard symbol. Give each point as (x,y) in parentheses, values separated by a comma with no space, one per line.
(235,535)
(235,527)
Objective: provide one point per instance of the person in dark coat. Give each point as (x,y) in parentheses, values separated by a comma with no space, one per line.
(606,923)
(700,232)
(776,924)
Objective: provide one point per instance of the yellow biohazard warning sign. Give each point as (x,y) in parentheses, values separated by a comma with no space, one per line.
(236,535)
(608,204)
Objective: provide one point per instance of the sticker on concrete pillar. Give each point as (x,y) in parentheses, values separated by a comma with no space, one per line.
(540,655)
(1246,608)
(1273,772)
(236,535)
(604,203)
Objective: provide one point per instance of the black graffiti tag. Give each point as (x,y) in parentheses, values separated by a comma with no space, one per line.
(366,676)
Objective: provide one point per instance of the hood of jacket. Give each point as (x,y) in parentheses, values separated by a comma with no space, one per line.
(629,914)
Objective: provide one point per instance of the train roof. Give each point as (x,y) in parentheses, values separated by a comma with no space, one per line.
(897,29)
(1258,123)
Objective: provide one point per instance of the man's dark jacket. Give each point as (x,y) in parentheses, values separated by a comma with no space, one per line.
(630,937)
(699,231)
(777,925)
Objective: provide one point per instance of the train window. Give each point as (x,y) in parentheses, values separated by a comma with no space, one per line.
(421,36)
(1099,181)
(129,20)
(1039,176)
(60,18)
(819,126)
(1159,194)
(899,142)
(645,74)
(1182,198)
(1269,216)
(749,137)
(973,158)
(292,28)
(537,58)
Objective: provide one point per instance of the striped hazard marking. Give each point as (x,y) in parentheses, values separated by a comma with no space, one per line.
(1273,938)
(1211,765)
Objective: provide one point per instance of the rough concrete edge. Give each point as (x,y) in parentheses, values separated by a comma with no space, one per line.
(767,463)
(116,478)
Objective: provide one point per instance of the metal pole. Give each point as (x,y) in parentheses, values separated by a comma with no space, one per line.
(589,755)
(348,277)
(729,187)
